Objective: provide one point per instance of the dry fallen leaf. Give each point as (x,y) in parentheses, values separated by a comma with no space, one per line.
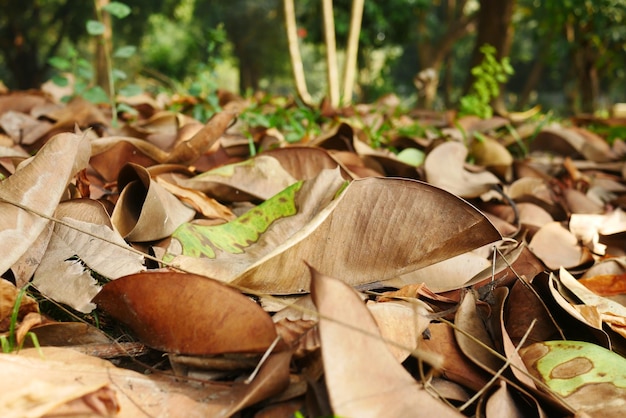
(64,272)
(38,184)
(32,386)
(8,297)
(444,168)
(610,312)
(401,322)
(472,335)
(345,324)
(456,366)
(258,178)
(146,211)
(372,231)
(188,314)
(589,378)
(556,247)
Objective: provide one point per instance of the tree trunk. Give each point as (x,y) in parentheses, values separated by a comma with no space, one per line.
(448,81)
(495,29)
(249,75)
(24,64)
(103,45)
(432,53)
(21,31)
(534,75)
(587,78)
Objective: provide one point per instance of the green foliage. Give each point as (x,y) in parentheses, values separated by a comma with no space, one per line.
(117,9)
(95,27)
(488,77)
(9,344)
(609,133)
(82,74)
(295,122)
(82,70)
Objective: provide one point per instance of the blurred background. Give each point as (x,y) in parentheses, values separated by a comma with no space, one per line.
(568,55)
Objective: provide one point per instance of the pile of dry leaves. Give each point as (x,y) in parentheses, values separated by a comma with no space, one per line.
(478,269)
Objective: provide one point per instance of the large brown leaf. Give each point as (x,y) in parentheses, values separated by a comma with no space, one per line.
(188,314)
(376,229)
(363,377)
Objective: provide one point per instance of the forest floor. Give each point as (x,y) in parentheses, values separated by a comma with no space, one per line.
(286,261)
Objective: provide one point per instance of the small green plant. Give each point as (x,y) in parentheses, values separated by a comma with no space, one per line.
(609,133)
(82,70)
(205,85)
(9,343)
(488,77)
(294,122)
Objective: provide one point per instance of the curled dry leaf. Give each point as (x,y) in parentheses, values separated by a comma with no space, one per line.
(504,340)
(38,184)
(22,101)
(110,161)
(607,278)
(444,168)
(208,207)
(583,324)
(346,324)
(145,211)
(533,216)
(59,334)
(612,313)
(450,274)
(518,261)
(187,314)
(46,396)
(506,402)
(384,161)
(578,202)
(523,306)
(574,142)
(490,153)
